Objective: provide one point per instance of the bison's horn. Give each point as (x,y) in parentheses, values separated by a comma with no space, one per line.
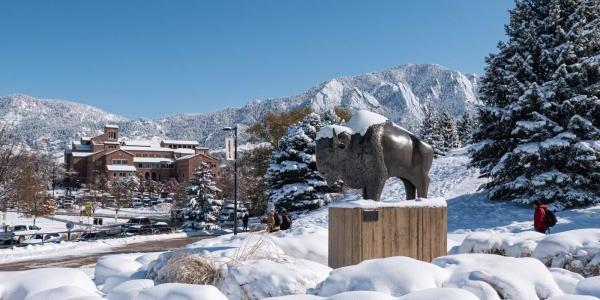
(335,138)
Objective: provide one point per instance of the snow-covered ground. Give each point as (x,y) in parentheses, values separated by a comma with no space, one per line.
(260,265)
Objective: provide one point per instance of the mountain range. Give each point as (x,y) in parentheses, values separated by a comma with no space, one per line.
(401,93)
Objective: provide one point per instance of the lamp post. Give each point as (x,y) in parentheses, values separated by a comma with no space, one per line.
(235,206)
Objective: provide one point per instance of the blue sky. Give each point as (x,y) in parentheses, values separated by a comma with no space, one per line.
(154,58)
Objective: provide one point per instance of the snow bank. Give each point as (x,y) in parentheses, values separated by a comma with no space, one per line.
(117,270)
(427,294)
(117,266)
(572,297)
(181,291)
(497,277)
(48,283)
(257,279)
(129,289)
(575,250)
(589,286)
(502,243)
(395,276)
(566,279)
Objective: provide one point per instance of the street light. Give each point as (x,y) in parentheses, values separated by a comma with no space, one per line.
(235,216)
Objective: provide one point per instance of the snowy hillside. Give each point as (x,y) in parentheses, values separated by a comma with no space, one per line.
(401,94)
(51,122)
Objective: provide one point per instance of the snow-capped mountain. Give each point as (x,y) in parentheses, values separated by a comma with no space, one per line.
(401,94)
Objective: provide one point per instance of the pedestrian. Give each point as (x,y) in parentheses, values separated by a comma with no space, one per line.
(286,220)
(539,216)
(274,221)
(245,219)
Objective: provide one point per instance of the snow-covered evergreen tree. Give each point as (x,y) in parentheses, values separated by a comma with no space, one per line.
(431,132)
(204,206)
(539,128)
(449,134)
(292,178)
(465,127)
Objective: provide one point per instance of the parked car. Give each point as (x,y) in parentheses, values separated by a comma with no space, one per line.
(136,203)
(41,238)
(67,203)
(161,227)
(226,214)
(92,235)
(137,225)
(17,228)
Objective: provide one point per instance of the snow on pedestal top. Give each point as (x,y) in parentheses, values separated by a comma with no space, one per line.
(359,123)
(362,203)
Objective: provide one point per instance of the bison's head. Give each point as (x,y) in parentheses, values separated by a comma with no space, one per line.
(332,155)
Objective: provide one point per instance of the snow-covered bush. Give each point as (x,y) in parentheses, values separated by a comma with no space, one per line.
(589,286)
(575,250)
(394,276)
(497,277)
(566,280)
(129,289)
(501,243)
(47,283)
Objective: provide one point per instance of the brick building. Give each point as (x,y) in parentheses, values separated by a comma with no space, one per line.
(116,158)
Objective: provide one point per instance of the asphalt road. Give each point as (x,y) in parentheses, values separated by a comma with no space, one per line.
(76,261)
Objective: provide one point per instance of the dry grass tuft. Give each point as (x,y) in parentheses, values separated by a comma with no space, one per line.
(189,268)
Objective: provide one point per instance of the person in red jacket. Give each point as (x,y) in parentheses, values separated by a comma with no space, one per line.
(539,216)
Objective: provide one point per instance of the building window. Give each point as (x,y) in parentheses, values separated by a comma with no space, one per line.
(119,162)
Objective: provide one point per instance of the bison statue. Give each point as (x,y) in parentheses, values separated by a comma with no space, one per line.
(368,151)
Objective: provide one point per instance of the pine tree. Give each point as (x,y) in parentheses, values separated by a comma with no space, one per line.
(539,128)
(204,207)
(431,132)
(292,178)
(465,127)
(449,135)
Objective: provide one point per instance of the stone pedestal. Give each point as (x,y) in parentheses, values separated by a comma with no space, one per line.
(369,229)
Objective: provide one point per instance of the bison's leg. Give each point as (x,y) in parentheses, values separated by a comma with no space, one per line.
(410,189)
(373,189)
(423,185)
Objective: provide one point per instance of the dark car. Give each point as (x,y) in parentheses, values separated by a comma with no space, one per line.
(161,227)
(87,236)
(139,225)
